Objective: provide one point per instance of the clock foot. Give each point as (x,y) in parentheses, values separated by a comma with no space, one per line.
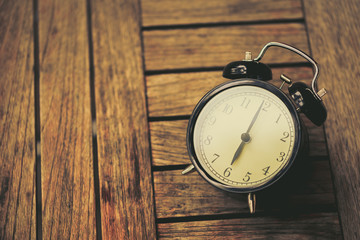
(252,202)
(188,169)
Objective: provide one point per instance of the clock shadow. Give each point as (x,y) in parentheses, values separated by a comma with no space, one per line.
(289,193)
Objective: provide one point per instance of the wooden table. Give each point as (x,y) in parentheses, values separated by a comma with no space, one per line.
(95,96)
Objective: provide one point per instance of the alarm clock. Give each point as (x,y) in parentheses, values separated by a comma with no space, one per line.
(246,133)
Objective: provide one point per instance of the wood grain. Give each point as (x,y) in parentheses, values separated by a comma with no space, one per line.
(66,138)
(178,93)
(334,32)
(300,226)
(205,47)
(180,12)
(307,187)
(17,126)
(127,208)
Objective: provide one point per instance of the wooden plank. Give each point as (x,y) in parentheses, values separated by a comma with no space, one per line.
(307,186)
(66,138)
(205,47)
(178,93)
(127,208)
(301,226)
(168,142)
(334,32)
(180,12)
(17,125)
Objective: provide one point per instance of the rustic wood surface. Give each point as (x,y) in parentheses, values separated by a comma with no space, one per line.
(204,47)
(334,33)
(127,208)
(68,199)
(300,226)
(179,12)
(177,94)
(118,82)
(178,61)
(180,196)
(17,123)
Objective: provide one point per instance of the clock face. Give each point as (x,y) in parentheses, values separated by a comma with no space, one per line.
(245,136)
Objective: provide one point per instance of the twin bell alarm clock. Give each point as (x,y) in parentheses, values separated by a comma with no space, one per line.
(245,134)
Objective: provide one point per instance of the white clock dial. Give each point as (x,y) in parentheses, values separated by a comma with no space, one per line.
(244,136)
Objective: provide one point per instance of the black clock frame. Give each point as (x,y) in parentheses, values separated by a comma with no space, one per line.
(298,142)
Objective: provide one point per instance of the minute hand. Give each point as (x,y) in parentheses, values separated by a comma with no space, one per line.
(242,144)
(254,118)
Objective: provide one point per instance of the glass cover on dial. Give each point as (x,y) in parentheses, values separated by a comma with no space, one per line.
(244,136)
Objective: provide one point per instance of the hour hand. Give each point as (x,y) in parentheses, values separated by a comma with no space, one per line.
(245,138)
(238,151)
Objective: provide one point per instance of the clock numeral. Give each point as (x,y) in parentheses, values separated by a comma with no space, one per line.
(228,109)
(281,157)
(247,177)
(207,141)
(212,120)
(266,170)
(266,106)
(277,120)
(227,172)
(245,103)
(286,135)
(216,157)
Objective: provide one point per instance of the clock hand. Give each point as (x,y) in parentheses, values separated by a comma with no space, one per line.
(238,151)
(255,117)
(245,137)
